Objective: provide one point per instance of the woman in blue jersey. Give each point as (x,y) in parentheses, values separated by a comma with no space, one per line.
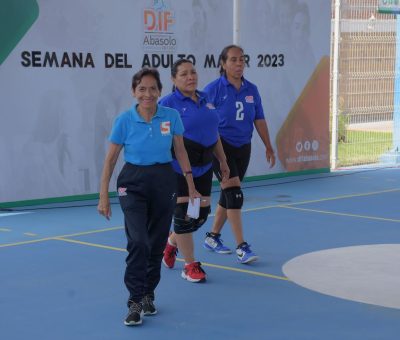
(239,107)
(146,186)
(201,142)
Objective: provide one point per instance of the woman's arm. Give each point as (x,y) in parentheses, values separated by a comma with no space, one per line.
(262,130)
(183,160)
(104,207)
(223,165)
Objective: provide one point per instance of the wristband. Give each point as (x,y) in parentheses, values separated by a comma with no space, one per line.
(185,173)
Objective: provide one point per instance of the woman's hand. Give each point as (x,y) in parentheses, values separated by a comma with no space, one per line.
(262,129)
(193,193)
(224,168)
(104,207)
(104,202)
(270,157)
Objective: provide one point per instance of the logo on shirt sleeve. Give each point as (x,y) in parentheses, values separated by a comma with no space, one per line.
(249,99)
(166,128)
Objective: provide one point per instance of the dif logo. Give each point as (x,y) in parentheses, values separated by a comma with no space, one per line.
(157,21)
(158,24)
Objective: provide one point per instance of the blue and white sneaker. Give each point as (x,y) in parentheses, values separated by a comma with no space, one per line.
(245,254)
(214,243)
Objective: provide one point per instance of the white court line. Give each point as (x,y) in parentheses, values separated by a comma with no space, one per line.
(16,213)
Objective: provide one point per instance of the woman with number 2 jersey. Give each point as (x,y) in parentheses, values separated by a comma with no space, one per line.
(239,107)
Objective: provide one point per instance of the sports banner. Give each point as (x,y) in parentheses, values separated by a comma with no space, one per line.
(289,46)
(66,69)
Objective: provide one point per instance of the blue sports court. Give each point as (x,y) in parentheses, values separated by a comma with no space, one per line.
(329,247)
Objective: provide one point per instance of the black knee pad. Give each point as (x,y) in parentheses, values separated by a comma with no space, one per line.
(234,198)
(183,224)
(222,199)
(203,215)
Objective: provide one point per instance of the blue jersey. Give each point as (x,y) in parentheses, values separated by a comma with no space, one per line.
(200,121)
(146,143)
(237,109)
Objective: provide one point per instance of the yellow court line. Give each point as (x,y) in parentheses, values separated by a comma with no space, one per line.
(5,229)
(92,232)
(345,214)
(25,242)
(244,210)
(346,196)
(96,245)
(30,234)
(319,200)
(252,272)
(53,237)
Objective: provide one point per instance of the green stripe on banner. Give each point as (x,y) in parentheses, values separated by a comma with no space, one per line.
(287,174)
(86,197)
(16,17)
(51,200)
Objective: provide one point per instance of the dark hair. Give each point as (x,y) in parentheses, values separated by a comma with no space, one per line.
(223,57)
(174,68)
(145,71)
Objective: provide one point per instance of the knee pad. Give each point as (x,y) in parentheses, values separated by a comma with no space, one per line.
(203,215)
(234,197)
(222,199)
(183,224)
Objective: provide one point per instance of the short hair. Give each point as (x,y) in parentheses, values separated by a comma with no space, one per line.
(145,71)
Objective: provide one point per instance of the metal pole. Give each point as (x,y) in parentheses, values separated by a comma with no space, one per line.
(236,22)
(393,156)
(335,86)
(396,113)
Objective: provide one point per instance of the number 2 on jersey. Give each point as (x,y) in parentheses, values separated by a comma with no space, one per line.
(239,111)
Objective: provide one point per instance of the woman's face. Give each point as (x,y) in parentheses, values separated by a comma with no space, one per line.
(186,79)
(234,65)
(147,93)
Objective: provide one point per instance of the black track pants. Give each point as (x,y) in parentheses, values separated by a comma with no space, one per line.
(147,198)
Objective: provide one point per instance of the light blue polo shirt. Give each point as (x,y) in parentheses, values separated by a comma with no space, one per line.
(200,121)
(146,143)
(237,109)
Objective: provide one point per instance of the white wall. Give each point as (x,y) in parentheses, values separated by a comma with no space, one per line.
(55,120)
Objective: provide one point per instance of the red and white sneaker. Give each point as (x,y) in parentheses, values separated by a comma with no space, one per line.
(193,272)
(169,257)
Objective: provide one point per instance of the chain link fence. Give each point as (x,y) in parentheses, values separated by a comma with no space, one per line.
(366,75)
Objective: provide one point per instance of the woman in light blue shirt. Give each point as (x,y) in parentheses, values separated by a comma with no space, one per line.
(146,186)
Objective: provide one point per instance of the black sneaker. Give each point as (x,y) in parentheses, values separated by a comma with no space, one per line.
(148,305)
(135,314)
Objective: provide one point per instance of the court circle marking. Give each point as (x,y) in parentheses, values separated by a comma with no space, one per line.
(366,273)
